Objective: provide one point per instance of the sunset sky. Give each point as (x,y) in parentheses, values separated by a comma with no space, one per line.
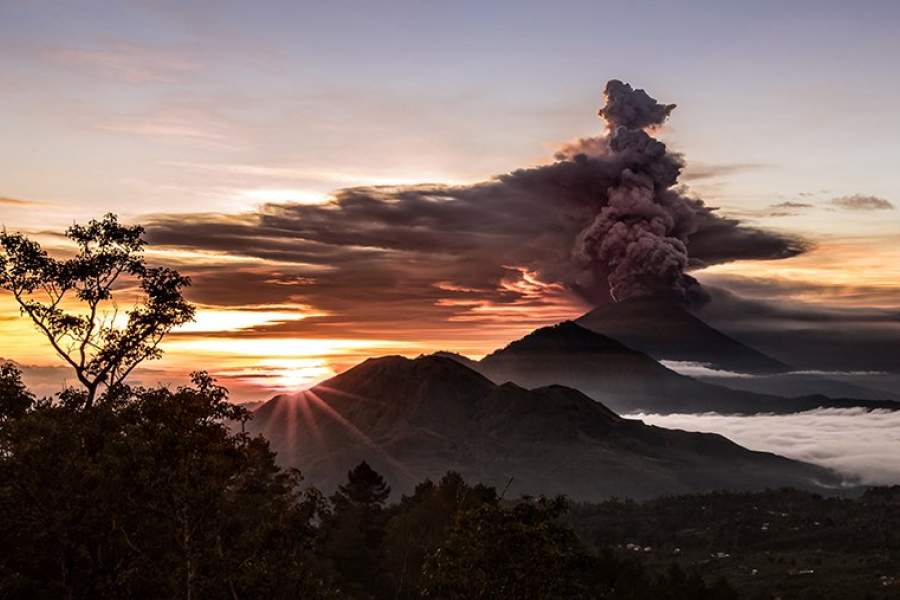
(272,151)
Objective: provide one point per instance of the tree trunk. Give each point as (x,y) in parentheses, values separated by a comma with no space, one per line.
(188,561)
(91,394)
(68,588)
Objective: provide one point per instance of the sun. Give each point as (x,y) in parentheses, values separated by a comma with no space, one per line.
(297,374)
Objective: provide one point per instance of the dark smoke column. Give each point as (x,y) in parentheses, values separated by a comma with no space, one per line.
(639,236)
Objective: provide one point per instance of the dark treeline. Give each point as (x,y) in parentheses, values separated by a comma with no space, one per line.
(114,491)
(110,490)
(769,544)
(156,493)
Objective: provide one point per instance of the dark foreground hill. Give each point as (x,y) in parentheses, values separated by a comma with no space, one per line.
(413,419)
(667,331)
(627,380)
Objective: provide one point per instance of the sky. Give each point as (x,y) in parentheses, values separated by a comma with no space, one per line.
(284,154)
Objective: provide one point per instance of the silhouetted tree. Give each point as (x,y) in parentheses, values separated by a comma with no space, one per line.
(150,494)
(71,301)
(420,522)
(499,552)
(355,529)
(15,399)
(365,488)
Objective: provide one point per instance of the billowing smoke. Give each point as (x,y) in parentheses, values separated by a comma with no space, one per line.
(639,237)
(606,220)
(632,109)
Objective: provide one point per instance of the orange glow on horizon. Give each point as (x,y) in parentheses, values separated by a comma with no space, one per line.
(851,272)
(260,350)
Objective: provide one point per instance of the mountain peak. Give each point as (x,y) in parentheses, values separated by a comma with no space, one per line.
(416,418)
(455,356)
(666,330)
(399,369)
(567,337)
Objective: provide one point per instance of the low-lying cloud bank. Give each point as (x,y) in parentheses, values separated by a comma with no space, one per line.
(699,369)
(849,384)
(854,442)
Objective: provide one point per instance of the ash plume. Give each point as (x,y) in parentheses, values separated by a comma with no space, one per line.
(605,221)
(639,236)
(632,109)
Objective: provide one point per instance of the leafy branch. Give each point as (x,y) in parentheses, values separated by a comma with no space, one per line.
(102,345)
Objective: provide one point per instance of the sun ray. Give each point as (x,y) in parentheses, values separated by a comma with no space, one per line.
(359,435)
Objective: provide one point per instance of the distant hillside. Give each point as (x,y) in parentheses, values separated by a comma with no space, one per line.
(413,419)
(667,331)
(627,380)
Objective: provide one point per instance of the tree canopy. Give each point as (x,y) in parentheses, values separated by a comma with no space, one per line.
(73,301)
(158,493)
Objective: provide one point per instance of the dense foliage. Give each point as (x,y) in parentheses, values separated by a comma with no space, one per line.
(157,493)
(147,494)
(72,301)
(112,491)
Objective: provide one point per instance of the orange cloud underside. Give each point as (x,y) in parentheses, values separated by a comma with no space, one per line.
(248,348)
(259,350)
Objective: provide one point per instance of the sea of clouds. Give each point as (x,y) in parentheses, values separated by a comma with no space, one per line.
(854,442)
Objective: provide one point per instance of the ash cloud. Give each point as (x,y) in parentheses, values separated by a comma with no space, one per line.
(700,171)
(722,239)
(632,109)
(606,221)
(810,335)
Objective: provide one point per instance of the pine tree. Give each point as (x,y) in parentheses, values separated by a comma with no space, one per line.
(365,487)
(355,530)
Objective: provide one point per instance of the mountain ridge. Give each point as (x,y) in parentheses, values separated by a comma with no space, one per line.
(630,381)
(547,440)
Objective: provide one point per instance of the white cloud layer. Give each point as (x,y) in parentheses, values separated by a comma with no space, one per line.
(853,442)
(701,369)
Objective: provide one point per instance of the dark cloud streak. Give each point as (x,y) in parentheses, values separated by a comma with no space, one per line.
(792,205)
(861,202)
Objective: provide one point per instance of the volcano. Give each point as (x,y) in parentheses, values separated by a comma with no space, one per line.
(666,330)
(418,418)
(630,381)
